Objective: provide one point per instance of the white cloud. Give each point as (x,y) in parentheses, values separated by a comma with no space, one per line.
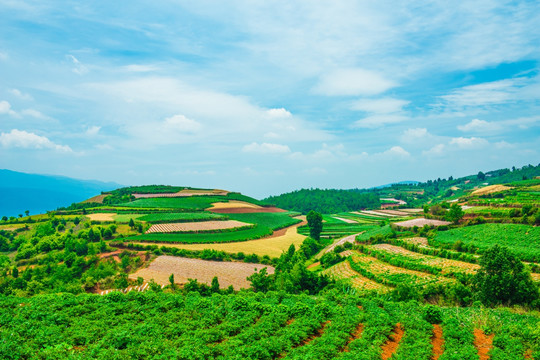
(5,108)
(490,93)
(21,95)
(26,140)
(35,114)
(468,143)
(180,123)
(413,135)
(79,68)
(352,81)
(477,125)
(375,121)
(278,113)
(266,148)
(503,145)
(93,130)
(3,56)
(436,150)
(395,151)
(379,106)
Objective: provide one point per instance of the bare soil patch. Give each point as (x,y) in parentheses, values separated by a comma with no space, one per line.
(391,345)
(196,226)
(437,341)
(101,216)
(483,343)
(96,199)
(421,222)
(228,273)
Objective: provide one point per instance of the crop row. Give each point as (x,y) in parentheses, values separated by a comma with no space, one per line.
(255,326)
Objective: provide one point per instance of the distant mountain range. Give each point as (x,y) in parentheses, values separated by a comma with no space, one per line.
(38,193)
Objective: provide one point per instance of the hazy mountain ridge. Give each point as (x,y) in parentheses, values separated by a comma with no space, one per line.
(39,193)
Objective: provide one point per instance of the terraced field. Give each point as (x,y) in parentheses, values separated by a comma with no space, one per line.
(343,270)
(446,266)
(387,274)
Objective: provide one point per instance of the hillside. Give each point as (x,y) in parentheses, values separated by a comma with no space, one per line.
(412,193)
(40,193)
(160,271)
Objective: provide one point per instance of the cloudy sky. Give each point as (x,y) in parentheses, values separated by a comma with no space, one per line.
(268,97)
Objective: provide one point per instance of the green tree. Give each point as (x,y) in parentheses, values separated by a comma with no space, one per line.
(260,281)
(131,223)
(27,212)
(503,279)
(455,213)
(481,176)
(171,280)
(315,224)
(214,287)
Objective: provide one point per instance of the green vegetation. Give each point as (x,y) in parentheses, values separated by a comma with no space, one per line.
(188,203)
(523,240)
(256,232)
(346,306)
(246,325)
(502,279)
(315,224)
(325,201)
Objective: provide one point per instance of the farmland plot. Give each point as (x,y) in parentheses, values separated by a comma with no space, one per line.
(273,246)
(421,222)
(393,275)
(343,270)
(446,265)
(228,273)
(197,226)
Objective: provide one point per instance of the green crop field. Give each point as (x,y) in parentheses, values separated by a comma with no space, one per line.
(250,326)
(273,221)
(180,217)
(190,203)
(337,229)
(523,240)
(256,232)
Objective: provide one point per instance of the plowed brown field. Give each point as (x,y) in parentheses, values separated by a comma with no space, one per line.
(228,273)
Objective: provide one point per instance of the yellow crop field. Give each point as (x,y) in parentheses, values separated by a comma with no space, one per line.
(272,246)
(490,189)
(233,204)
(101,216)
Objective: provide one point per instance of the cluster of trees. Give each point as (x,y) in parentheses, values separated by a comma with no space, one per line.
(326,201)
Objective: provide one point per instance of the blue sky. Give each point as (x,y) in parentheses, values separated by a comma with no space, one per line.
(268,97)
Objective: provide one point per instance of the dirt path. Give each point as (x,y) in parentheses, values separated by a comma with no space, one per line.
(351,239)
(437,341)
(357,333)
(391,345)
(483,343)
